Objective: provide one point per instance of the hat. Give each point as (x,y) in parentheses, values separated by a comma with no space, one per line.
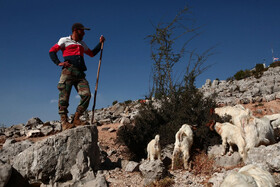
(79,26)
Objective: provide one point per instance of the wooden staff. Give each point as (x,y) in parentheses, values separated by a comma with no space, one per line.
(96,85)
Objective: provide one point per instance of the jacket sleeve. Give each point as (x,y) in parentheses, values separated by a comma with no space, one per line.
(93,52)
(53,53)
(96,49)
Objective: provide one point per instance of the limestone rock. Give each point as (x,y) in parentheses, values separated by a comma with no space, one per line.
(132,166)
(269,159)
(61,157)
(153,170)
(11,148)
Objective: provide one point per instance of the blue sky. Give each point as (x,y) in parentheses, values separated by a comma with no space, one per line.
(243,32)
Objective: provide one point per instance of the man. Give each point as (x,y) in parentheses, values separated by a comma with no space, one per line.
(73,48)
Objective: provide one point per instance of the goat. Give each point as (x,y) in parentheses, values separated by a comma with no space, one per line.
(183,143)
(232,135)
(234,111)
(258,131)
(249,175)
(154,149)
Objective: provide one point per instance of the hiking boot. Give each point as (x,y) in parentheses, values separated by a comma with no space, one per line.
(77,121)
(64,122)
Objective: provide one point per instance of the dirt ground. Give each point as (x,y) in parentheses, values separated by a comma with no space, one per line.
(264,108)
(107,137)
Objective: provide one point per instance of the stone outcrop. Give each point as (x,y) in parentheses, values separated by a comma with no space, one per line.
(269,159)
(69,155)
(249,90)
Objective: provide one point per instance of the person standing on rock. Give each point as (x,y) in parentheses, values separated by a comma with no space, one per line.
(73,48)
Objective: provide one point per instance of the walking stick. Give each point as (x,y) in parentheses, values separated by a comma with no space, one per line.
(96,85)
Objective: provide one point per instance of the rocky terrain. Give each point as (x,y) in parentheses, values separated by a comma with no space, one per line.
(249,90)
(91,156)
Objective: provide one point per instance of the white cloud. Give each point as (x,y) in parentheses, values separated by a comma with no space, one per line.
(54,101)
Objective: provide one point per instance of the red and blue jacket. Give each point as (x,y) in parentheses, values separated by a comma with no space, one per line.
(73,52)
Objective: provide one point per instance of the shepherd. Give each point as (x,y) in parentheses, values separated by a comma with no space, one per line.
(73,72)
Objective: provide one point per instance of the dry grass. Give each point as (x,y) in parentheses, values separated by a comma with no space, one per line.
(202,164)
(166,182)
(178,161)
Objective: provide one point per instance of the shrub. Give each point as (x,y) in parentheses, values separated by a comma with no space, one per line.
(114,102)
(128,102)
(136,137)
(186,105)
(259,69)
(242,74)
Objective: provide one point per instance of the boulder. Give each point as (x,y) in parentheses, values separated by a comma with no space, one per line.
(132,166)
(47,130)
(226,160)
(33,122)
(269,159)
(152,170)
(61,157)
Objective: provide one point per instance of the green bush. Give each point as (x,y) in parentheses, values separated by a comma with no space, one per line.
(128,102)
(259,69)
(114,102)
(136,137)
(242,74)
(185,106)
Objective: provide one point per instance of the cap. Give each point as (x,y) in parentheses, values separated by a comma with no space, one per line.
(79,26)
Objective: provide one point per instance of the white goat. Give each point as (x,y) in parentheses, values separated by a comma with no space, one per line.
(258,131)
(232,135)
(154,149)
(249,176)
(234,111)
(183,143)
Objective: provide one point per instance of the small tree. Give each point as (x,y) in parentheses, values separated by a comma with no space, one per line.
(259,69)
(242,74)
(181,102)
(163,52)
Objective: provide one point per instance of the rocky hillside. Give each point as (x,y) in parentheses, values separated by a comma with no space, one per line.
(38,153)
(249,90)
